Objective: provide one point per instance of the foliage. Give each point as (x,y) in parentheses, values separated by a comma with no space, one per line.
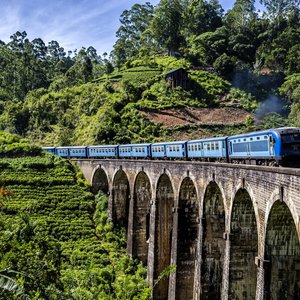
(61,98)
(133,23)
(241,98)
(166,24)
(14,145)
(58,237)
(291,89)
(272,120)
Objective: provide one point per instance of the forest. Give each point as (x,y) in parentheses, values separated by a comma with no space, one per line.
(243,59)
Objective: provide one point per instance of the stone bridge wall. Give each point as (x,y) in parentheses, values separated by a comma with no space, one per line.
(231,230)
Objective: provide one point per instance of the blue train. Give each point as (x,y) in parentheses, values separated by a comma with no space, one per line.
(280,146)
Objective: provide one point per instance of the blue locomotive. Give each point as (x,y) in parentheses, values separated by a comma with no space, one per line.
(280,146)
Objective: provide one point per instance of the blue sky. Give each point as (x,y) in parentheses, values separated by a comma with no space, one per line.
(73,23)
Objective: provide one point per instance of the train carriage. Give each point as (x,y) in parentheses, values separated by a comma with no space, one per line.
(103,151)
(273,146)
(169,150)
(49,149)
(135,151)
(208,149)
(62,151)
(77,151)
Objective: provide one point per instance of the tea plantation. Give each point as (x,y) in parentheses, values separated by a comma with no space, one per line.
(56,241)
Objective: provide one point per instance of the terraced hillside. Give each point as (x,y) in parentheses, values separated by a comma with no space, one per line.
(57,236)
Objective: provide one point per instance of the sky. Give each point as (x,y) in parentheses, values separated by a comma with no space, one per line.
(72,23)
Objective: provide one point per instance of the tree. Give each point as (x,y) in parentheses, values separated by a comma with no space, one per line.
(278,8)
(166,25)
(133,23)
(201,16)
(241,14)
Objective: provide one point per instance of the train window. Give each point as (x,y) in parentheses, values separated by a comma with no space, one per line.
(212,146)
(178,148)
(251,139)
(208,146)
(217,146)
(265,137)
(244,140)
(239,140)
(258,138)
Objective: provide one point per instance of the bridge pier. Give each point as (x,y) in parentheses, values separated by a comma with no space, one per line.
(231,230)
(151,241)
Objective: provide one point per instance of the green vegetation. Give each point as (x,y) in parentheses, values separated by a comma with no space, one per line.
(238,59)
(56,239)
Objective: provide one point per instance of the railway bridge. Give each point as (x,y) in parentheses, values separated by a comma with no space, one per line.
(232,231)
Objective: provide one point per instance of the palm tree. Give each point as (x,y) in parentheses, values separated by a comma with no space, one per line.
(9,284)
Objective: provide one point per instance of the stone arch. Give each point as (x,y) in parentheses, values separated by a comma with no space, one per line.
(141,216)
(282,255)
(188,226)
(243,248)
(213,249)
(276,195)
(163,233)
(100,181)
(120,199)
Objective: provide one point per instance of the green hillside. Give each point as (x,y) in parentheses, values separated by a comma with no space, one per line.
(242,60)
(56,235)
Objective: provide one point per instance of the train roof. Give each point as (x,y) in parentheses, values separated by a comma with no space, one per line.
(52,147)
(208,139)
(169,143)
(103,146)
(136,145)
(71,147)
(278,131)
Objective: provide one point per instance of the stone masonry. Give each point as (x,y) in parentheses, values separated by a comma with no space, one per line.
(231,230)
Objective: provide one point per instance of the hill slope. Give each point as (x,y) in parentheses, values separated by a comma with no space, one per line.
(56,234)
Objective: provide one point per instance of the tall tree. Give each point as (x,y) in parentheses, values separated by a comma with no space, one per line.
(277,8)
(166,24)
(133,23)
(201,16)
(241,14)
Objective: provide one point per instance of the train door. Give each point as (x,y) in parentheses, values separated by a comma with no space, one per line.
(271,145)
(230,147)
(248,149)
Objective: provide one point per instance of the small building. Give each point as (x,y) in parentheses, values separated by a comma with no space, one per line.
(178,77)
